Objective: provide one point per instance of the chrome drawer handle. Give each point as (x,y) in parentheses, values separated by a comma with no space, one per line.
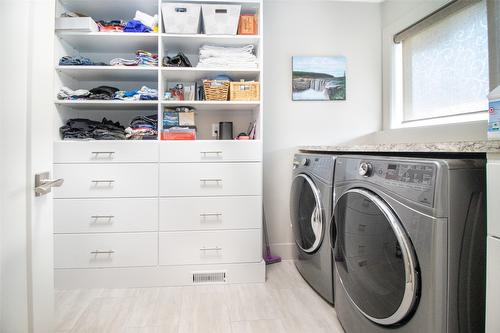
(211,180)
(109,153)
(205,153)
(97,218)
(109,181)
(97,252)
(210,214)
(211,248)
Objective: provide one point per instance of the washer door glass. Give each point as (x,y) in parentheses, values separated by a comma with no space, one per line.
(374,258)
(306,214)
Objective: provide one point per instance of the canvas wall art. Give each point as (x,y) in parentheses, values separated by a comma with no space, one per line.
(319,78)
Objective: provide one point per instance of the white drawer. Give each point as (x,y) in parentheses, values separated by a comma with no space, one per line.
(105,152)
(210,213)
(106,180)
(105,215)
(105,250)
(211,151)
(209,247)
(202,179)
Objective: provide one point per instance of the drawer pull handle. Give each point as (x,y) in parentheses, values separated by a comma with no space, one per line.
(108,218)
(210,214)
(109,181)
(109,153)
(205,153)
(97,252)
(211,180)
(211,248)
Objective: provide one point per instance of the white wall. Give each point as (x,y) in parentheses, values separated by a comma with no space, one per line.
(314,28)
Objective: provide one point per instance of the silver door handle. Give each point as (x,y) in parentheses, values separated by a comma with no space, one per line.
(108,219)
(43,184)
(96,252)
(95,217)
(211,248)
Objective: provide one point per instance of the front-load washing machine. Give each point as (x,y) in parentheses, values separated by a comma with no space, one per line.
(410,245)
(311,205)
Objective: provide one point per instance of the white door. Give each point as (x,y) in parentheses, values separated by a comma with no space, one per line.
(26,120)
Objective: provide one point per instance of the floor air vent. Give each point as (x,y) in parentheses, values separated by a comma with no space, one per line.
(209,277)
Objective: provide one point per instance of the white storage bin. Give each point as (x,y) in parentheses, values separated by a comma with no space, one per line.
(181,18)
(221,19)
(81,24)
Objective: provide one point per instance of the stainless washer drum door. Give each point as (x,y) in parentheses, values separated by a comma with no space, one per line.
(374,257)
(306,213)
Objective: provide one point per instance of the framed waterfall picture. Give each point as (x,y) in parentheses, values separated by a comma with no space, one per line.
(319,78)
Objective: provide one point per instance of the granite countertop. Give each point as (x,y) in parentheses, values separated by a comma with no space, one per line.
(431,147)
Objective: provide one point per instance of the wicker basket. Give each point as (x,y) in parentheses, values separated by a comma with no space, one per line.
(216,90)
(244,91)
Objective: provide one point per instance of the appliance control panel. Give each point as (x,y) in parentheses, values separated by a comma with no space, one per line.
(415,181)
(321,166)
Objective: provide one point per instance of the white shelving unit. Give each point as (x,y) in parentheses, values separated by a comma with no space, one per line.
(172,165)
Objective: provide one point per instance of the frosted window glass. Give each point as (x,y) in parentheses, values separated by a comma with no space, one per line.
(445,67)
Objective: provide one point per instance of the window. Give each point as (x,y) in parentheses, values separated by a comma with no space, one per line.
(443,69)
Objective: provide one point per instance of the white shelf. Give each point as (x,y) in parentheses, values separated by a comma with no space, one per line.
(188,74)
(108,104)
(190,44)
(110,73)
(110,42)
(215,105)
(111,9)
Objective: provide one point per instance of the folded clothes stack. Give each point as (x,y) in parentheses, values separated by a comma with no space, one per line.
(79,61)
(220,56)
(141,22)
(98,93)
(143,94)
(142,58)
(111,26)
(85,129)
(143,128)
(145,58)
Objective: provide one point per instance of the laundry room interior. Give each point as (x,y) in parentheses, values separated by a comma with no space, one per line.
(245,166)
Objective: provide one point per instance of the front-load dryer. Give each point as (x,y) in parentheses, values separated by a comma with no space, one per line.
(410,245)
(311,205)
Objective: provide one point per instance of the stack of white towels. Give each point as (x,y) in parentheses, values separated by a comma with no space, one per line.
(235,57)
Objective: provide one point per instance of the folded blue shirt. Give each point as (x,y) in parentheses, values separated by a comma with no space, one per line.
(136,26)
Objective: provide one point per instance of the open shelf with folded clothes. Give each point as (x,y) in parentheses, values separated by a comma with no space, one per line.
(106,125)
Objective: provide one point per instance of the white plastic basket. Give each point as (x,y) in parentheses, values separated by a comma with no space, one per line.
(181,18)
(221,19)
(81,24)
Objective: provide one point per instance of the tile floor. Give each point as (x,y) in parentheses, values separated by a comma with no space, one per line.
(285,303)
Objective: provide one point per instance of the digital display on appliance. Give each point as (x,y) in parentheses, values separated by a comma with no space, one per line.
(413,174)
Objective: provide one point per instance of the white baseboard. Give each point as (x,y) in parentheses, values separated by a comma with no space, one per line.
(286,251)
(155,276)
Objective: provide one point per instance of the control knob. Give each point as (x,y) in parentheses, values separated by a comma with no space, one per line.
(304,162)
(365,169)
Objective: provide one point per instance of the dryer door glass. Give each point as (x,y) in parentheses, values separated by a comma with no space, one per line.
(374,258)
(306,214)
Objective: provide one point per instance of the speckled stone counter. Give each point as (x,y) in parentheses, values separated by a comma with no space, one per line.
(433,147)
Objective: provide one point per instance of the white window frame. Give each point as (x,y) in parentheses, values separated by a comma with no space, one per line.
(393,76)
